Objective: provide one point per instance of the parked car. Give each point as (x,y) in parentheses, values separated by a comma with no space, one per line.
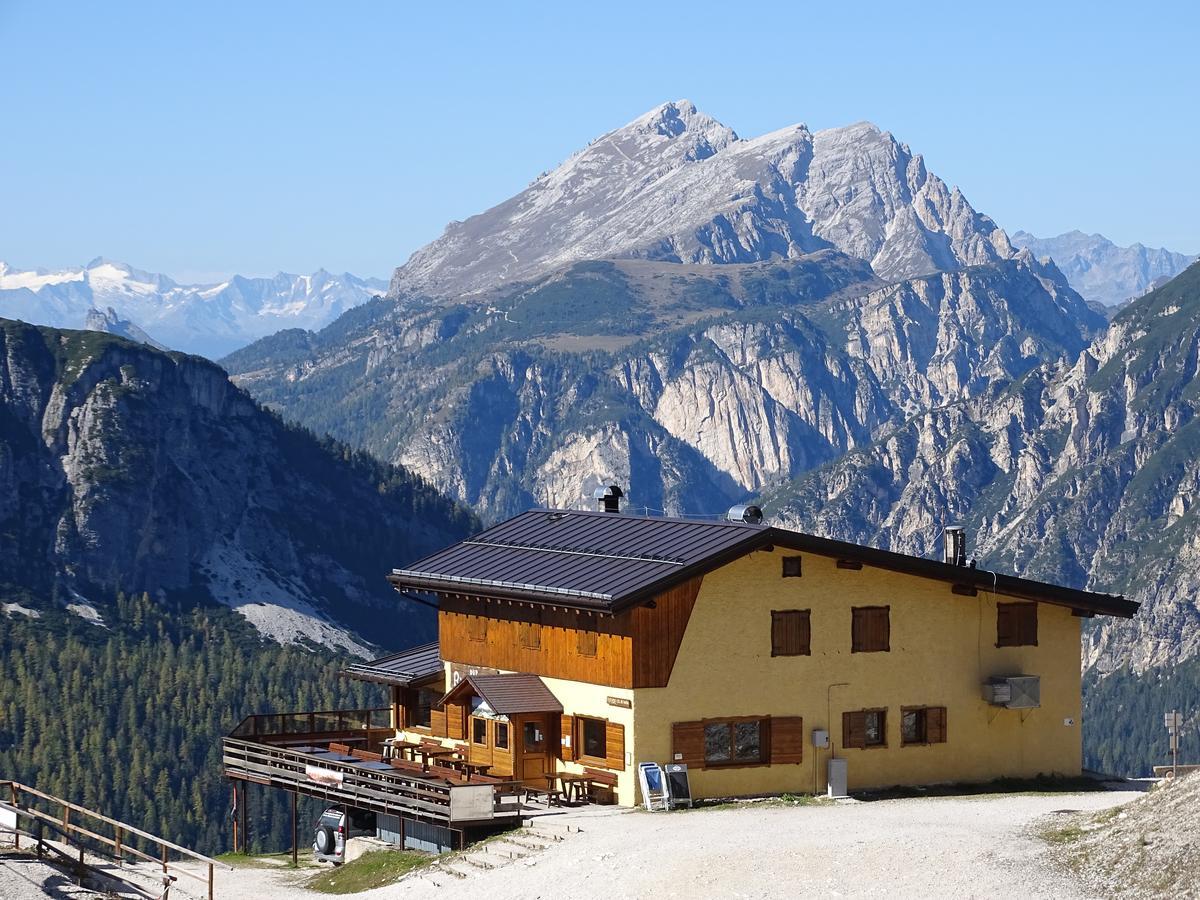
(336,826)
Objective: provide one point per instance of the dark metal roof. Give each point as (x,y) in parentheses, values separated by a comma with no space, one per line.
(509,694)
(609,561)
(404,668)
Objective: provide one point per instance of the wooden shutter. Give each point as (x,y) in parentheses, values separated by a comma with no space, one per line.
(790,632)
(687,744)
(1006,625)
(870,629)
(1027,622)
(567,738)
(787,739)
(585,642)
(1016,624)
(530,634)
(935,725)
(614,745)
(437,722)
(854,730)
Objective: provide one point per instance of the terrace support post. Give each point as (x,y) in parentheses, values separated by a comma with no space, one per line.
(295,843)
(12,787)
(120,834)
(242,812)
(210,881)
(234,785)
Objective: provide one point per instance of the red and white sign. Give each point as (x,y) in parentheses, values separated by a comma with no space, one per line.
(327,777)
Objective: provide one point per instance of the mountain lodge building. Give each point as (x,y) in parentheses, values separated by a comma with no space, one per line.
(576,642)
(573,645)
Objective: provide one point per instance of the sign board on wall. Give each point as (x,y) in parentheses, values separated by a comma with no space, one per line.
(623,702)
(459,671)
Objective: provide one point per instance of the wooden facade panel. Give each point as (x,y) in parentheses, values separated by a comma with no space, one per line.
(658,632)
(437,722)
(512,628)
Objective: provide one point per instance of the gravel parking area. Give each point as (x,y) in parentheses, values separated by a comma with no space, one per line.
(960,847)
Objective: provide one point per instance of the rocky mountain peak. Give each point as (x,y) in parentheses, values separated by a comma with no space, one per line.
(677,185)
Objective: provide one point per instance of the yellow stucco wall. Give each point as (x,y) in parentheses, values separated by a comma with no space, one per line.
(942,649)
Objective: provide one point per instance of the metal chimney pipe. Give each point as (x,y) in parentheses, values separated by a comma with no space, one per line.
(609,498)
(954,545)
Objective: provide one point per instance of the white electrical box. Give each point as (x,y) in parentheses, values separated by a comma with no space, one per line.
(820,738)
(837,777)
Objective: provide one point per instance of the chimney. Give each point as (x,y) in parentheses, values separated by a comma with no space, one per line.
(609,498)
(748,513)
(954,545)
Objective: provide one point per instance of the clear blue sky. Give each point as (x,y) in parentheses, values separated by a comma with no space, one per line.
(203,138)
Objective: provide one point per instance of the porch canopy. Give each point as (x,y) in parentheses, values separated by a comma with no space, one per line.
(409,668)
(506,695)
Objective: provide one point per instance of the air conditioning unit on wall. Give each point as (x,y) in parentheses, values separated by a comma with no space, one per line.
(1014,691)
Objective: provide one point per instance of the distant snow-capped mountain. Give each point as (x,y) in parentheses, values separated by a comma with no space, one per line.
(208,319)
(1101,271)
(675,185)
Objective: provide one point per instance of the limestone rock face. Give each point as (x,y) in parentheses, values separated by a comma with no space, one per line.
(676,185)
(124,468)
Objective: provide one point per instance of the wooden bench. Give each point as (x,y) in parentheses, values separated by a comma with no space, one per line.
(603,779)
(553,796)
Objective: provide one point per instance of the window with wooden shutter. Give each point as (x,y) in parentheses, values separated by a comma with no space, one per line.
(1016,625)
(790,632)
(615,743)
(864,728)
(591,739)
(567,735)
(687,744)
(791,567)
(787,739)
(586,643)
(871,629)
(922,725)
(530,634)
(477,628)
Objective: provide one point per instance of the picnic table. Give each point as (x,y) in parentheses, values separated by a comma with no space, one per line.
(391,745)
(428,752)
(575,788)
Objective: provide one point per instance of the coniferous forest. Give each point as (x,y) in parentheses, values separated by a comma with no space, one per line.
(126,718)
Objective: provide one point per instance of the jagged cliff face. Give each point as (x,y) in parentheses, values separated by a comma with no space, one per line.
(539,394)
(126,468)
(676,185)
(1084,472)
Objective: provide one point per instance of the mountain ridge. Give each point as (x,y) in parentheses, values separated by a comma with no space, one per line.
(209,319)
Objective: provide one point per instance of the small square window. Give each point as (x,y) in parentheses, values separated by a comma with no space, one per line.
(478,731)
(501,735)
(791,567)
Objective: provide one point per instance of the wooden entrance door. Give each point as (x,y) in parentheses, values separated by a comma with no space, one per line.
(535,745)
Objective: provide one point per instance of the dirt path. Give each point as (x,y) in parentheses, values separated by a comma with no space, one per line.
(956,847)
